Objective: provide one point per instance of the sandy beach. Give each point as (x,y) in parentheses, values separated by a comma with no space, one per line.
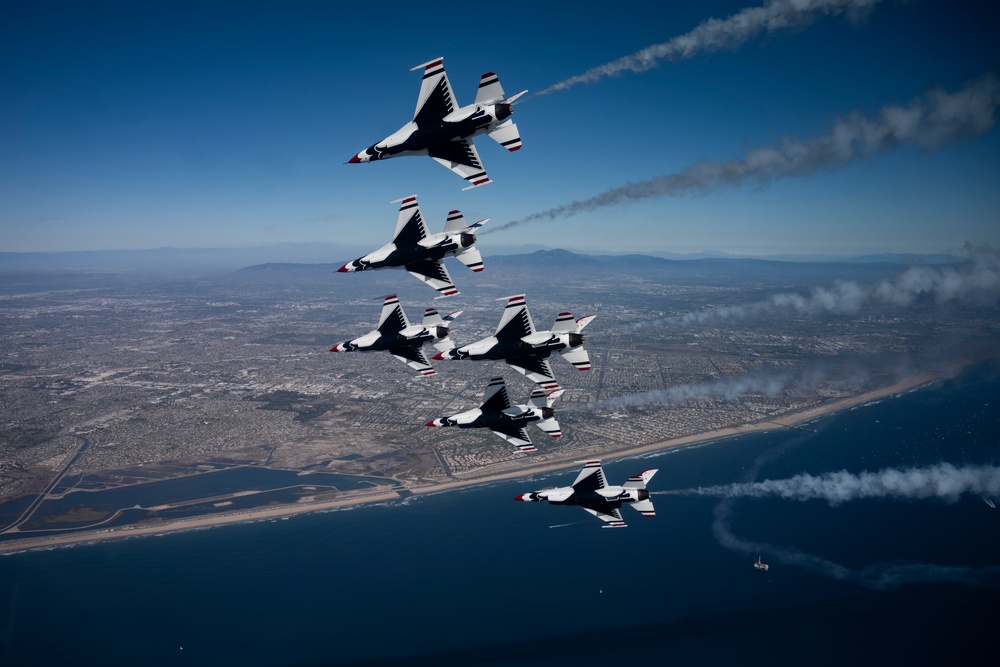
(484,476)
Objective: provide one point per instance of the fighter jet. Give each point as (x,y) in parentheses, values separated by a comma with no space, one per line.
(517,342)
(443,131)
(403,340)
(510,421)
(420,253)
(591,492)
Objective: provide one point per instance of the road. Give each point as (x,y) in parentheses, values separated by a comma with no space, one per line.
(84,444)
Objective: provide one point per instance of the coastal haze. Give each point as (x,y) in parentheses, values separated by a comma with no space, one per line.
(134,401)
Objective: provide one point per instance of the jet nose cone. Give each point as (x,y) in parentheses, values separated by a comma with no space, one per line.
(345,268)
(439,356)
(355,160)
(432,422)
(335,348)
(521,497)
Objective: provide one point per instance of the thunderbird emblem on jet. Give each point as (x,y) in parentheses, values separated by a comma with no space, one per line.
(420,253)
(444,131)
(403,340)
(527,350)
(509,421)
(591,492)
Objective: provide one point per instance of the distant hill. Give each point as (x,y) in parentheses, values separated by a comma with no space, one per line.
(214,261)
(566,266)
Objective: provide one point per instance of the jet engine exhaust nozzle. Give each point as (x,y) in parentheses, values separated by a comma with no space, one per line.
(576,340)
(504,111)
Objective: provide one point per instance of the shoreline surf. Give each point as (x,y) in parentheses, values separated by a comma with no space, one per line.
(476,478)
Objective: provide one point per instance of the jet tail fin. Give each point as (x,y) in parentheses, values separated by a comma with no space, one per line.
(507,135)
(583,322)
(433,319)
(577,356)
(471,258)
(551,426)
(455,222)
(644,507)
(641,480)
(545,393)
(490,89)
(566,324)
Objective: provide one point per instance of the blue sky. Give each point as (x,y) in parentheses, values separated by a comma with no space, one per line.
(141,125)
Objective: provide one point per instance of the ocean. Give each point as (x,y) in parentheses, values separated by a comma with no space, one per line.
(470,577)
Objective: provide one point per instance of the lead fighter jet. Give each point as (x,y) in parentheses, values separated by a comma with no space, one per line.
(527,350)
(420,253)
(508,421)
(444,132)
(591,492)
(403,340)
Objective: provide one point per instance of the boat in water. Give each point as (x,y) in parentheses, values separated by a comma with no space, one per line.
(759,565)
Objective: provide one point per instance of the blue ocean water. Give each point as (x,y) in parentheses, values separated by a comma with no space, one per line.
(470,577)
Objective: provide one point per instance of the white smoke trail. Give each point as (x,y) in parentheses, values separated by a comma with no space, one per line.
(944,481)
(976,280)
(719,34)
(729,388)
(878,576)
(932,121)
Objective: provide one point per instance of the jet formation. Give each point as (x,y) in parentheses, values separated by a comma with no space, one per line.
(444,131)
(510,421)
(591,492)
(403,340)
(518,343)
(420,253)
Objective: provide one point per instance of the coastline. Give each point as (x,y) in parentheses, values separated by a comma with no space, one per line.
(477,478)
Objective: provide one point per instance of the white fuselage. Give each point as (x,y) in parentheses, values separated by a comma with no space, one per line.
(412,139)
(432,247)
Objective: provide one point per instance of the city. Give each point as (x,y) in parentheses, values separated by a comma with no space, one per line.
(114,380)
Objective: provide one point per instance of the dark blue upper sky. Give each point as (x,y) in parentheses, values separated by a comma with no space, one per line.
(137,125)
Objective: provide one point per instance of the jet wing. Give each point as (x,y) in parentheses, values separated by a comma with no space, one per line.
(461,157)
(612,516)
(436,100)
(410,225)
(393,319)
(496,398)
(591,478)
(515,323)
(537,370)
(434,273)
(515,436)
(415,358)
